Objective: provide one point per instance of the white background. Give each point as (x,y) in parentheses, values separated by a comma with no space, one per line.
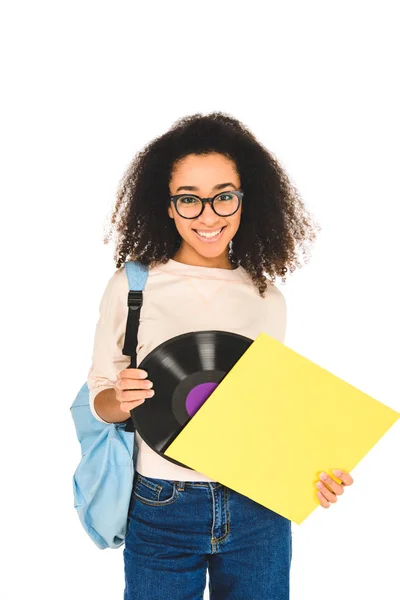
(85,86)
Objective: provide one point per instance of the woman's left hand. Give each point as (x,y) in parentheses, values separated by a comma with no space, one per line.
(328,495)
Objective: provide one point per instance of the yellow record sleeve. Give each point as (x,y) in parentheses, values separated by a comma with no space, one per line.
(267,430)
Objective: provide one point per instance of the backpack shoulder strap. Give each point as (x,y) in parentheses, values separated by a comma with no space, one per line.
(137,276)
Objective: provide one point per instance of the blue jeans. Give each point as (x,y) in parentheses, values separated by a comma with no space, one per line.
(176,530)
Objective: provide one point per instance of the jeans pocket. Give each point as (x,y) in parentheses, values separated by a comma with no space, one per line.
(155,492)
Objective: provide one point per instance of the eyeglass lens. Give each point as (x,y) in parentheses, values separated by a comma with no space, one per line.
(224,204)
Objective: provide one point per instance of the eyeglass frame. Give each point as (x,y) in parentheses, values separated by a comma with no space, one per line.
(238,193)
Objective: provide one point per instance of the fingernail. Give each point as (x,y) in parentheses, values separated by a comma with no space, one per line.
(143,374)
(337,472)
(324,476)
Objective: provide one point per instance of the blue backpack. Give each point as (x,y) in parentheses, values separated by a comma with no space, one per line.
(103,480)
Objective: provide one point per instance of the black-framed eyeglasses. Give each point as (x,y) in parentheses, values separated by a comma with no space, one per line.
(224,204)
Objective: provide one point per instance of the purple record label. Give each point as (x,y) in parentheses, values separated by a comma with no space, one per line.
(198,395)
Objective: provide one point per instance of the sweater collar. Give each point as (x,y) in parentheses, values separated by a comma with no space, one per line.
(176,267)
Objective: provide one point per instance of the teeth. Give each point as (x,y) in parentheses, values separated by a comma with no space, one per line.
(210,235)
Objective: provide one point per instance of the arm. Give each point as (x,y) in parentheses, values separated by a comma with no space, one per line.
(108,408)
(107,357)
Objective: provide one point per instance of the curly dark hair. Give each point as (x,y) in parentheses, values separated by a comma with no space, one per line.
(274,220)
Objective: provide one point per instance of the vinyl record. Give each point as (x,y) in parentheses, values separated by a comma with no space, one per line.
(185,370)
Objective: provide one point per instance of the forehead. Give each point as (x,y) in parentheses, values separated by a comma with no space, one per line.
(204,170)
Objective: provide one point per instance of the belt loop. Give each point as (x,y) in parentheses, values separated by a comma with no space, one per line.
(181,486)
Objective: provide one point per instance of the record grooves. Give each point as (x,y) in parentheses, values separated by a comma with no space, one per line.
(185,370)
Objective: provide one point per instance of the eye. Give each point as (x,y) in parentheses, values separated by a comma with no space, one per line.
(188,200)
(225,196)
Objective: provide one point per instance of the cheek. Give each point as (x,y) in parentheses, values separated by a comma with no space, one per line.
(234,225)
(182,226)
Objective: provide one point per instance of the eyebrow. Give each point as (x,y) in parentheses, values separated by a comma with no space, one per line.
(193,188)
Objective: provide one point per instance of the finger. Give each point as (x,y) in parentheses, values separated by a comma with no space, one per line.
(345,477)
(128,406)
(132,374)
(130,384)
(322,500)
(132,395)
(331,484)
(330,496)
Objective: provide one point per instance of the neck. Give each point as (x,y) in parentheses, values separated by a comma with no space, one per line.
(190,257)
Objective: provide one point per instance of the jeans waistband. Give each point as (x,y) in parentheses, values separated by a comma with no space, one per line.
(182,484)
(205,484)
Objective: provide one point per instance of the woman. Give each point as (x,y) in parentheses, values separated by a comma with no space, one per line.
(212,213)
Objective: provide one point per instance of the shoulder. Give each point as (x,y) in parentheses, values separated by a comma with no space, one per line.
(275,295)
(116,290)
(274,289)
(118,282)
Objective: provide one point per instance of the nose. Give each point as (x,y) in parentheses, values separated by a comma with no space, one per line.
(208,215)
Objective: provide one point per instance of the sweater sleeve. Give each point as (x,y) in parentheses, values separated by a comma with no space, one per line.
(107,357)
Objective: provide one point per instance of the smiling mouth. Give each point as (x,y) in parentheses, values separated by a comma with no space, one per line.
(208,235)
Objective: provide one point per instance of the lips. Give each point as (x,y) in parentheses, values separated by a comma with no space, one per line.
(210,240)
(211,230)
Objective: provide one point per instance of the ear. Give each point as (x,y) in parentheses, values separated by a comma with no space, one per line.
(170,212)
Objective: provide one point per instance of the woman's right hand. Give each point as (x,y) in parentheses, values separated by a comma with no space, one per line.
(132,388)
